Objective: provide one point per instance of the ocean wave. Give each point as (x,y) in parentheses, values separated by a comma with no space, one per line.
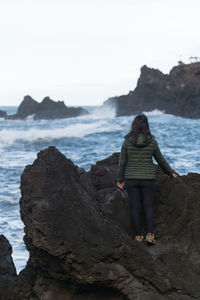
(30,117)
(8,202)
(79,130)
(155,112)
(101,112)
(104,111)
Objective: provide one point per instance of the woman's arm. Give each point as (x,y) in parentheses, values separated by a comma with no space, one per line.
(122,163)
(161,160)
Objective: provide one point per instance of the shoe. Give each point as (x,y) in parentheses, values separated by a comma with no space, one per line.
(139,238)
(150,239)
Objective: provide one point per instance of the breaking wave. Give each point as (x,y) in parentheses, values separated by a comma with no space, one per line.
(104,111)
(79,130)
(155,112)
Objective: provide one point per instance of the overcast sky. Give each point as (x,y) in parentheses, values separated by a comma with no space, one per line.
(84,51)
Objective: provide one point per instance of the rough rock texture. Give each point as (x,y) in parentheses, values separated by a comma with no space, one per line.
(7,268)
(177,93)
(79,235)
(47,109)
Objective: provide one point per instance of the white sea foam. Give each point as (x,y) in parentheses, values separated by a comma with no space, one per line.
(155,112)
(30,117)
(102,112)
(105,111)
(9,137)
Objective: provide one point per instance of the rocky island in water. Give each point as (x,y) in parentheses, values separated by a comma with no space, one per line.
(177,93)
(79,236)
(47,109)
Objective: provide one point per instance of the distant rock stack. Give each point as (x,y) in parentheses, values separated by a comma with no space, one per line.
(47,109)
(3,114)
(79,235)
(177,93)
(27,108)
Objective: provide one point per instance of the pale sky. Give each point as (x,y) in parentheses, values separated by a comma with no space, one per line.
(84,51)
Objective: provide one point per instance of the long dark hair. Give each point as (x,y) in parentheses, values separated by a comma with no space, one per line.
(139,125)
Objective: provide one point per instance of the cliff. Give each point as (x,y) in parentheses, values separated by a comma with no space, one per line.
(47,109)
(177,93)
(79,235)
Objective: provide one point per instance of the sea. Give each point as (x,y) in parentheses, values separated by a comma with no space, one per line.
(85,140)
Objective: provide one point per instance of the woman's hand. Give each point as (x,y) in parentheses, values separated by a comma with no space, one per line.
(120,185)
(175,175)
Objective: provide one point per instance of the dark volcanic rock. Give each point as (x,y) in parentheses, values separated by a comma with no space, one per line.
(3,114)
(7,268)
(79,235)
(177,93)
(28,107)
(47,109)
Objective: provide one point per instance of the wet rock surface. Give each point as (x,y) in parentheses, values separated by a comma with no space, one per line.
(79,234)
(47,109)
(177,93)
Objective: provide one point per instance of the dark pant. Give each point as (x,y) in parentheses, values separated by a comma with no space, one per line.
(141,194)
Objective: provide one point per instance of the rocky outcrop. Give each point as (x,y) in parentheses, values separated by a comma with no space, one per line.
(3,114)
(47,109)
(79,235)
(7,268)
(177,93)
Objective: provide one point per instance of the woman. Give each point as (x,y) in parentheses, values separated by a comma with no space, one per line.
(137,172)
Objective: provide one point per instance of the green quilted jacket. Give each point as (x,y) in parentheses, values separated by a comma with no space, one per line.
(136,159)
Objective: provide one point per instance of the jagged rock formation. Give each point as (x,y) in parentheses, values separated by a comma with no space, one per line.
(177,93)
(79,235)
(7,268)
(47,109)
